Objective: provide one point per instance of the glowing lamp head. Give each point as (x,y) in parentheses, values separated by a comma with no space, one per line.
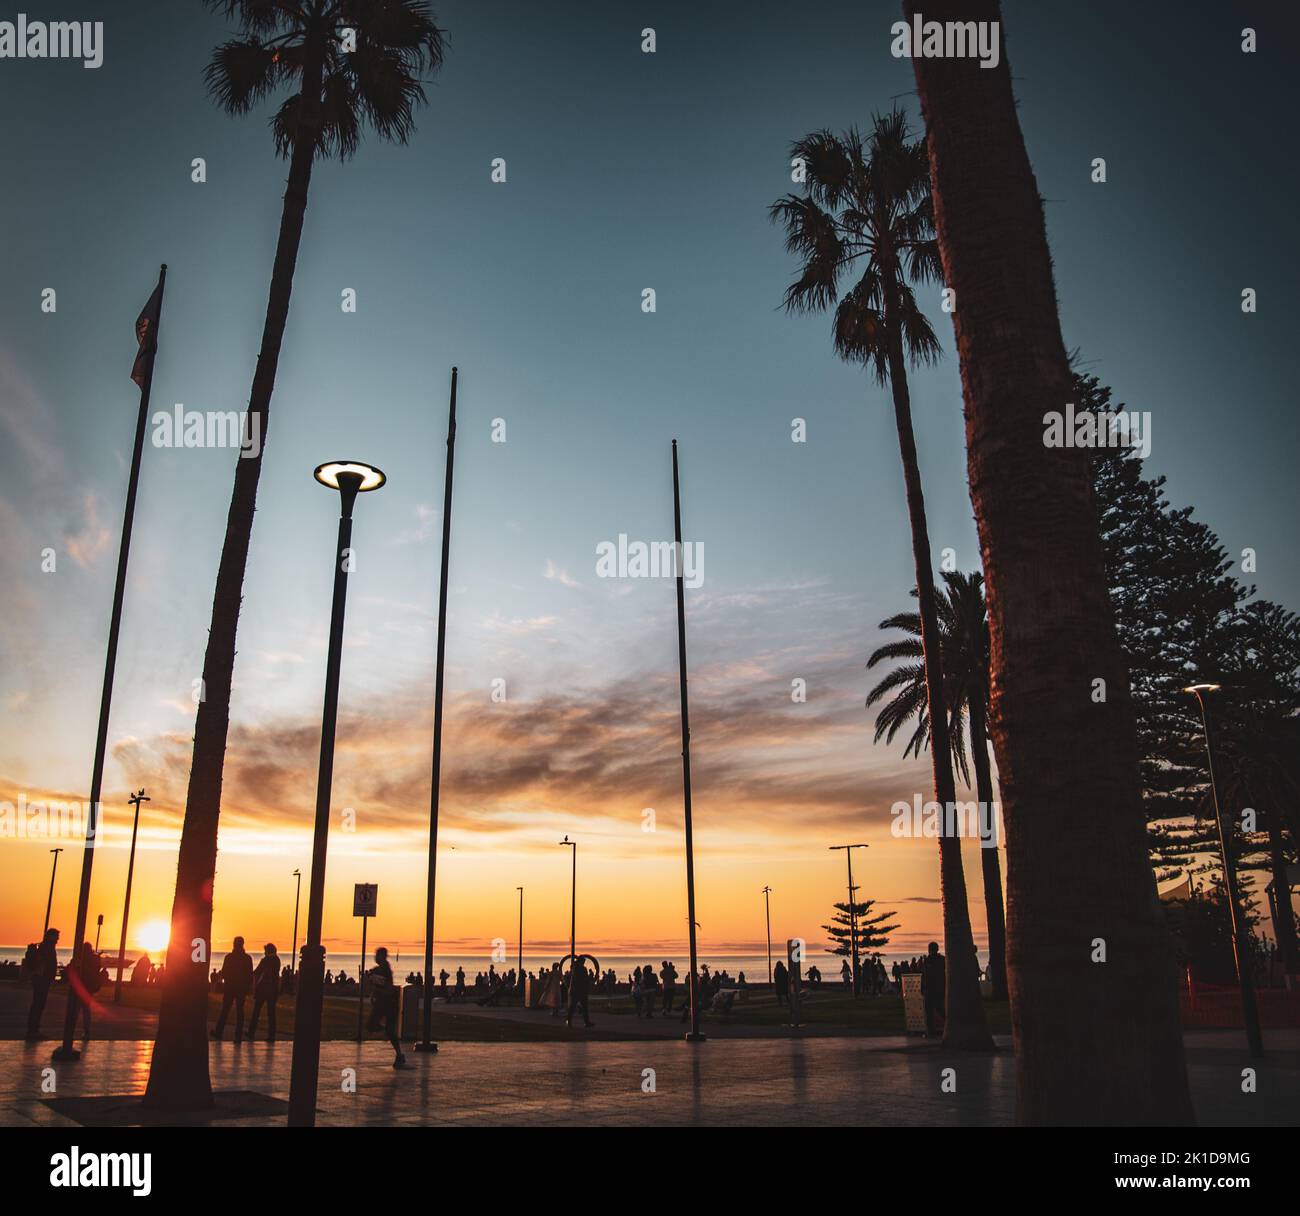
(350,475)
(1197,689)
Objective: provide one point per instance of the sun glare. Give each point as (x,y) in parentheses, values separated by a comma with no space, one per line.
(153,935)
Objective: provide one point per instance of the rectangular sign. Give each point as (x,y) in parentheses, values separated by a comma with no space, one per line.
(365,899)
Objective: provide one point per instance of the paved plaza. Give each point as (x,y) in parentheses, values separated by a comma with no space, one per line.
(775,1081)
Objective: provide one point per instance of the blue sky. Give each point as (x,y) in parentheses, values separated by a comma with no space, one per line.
(626,171)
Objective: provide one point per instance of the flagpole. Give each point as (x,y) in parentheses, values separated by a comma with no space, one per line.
(694,1036)
(426,1043)
(67,1051)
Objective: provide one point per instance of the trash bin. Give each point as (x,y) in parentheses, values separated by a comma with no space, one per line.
(410,1019)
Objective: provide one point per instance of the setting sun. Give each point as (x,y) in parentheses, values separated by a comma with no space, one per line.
(153,935)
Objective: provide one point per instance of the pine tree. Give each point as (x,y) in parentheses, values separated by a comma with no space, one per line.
(873,932)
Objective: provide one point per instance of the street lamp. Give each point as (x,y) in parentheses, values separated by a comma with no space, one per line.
(853,917)
(349,478)
(50,901)
(573,898)
(1249,1009)
(297,895)
(767,903)
(521,940)
(135,800)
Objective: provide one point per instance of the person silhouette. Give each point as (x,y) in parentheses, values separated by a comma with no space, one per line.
(236,980)
(781,982)
(44,965)
(266,991)
(933,988)
(579,988)
(384,1000)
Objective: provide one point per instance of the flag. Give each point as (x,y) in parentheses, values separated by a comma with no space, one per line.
(146,334)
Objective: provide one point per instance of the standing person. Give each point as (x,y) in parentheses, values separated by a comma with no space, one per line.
(638,992)
(669,977)
(383,1003)
(781,982)
(236,980)
(933,988)
(649,989)
(266,991)
(84,984)
(44,965)
(443,977)
(460,981)
(579,987)
(846,974)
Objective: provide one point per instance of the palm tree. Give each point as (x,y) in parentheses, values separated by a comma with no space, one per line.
(348,64)
(866,203)
(1096,1042)
(964,639)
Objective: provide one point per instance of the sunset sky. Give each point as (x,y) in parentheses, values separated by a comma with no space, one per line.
(626,171)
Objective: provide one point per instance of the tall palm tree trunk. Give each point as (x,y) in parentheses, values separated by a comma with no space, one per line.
(991,866)
(1096,1041)
(178,1071)
(964,1023)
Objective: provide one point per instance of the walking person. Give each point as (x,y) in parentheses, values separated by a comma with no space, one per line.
(579,988)
(781,982)
(669,977)
(384,999)
(83,984)
(933,989)
(236,980)
(266,991)
(44,965)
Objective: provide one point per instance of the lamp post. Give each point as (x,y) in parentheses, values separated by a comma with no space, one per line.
(853,918)
(426,1042)
(297,895)
(693,1035)
(521,939)
(1249,1009)
(99,924)
(135,800)
(49,902)
(349,478)
(767,903)
(573,899)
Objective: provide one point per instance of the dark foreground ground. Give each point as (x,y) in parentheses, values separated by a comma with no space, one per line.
(828,1012)
(821,1081)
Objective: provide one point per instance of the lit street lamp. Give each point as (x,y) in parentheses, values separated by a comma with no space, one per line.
(349,478)
(521,938)
(573,899)
(135,800)
(50,901)
(767,903)
(1249,1009)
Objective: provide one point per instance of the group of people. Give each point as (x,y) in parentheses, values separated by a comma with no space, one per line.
(40,966)
(651,989)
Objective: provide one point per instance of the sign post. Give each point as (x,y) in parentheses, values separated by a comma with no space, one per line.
(794,956)
(365,903)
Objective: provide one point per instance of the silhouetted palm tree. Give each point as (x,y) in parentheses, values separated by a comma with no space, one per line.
(964,637)
(348,64)
(866,210)
(1095,1043)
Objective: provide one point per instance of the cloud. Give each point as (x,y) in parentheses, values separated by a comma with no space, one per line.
(555,574)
